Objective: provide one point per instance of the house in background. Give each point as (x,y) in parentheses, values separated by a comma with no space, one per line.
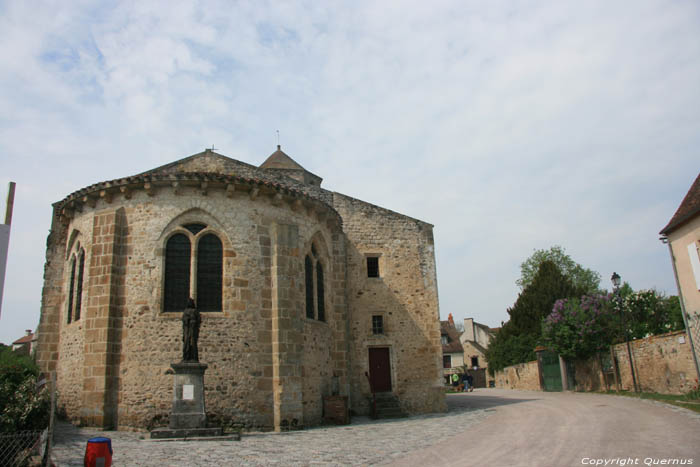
(682,233)
(475,340)
(24,344)
(452,350)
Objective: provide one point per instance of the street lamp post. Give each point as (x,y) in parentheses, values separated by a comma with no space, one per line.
(616,285)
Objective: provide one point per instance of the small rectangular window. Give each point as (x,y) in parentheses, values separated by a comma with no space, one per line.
(447,361)
(372,266)
(475,362)
(377,324)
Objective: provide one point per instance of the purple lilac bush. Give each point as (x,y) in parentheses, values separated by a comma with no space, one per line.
(577,328)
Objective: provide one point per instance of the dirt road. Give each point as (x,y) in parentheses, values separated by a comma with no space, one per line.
(565,429)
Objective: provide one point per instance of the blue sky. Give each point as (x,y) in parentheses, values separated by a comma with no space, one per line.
(510,126)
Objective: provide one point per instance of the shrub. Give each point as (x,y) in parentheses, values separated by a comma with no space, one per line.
(578,328)
(22,407)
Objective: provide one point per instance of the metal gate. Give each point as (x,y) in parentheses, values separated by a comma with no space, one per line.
(551,372)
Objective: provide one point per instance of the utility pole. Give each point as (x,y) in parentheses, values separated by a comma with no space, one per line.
(5,238)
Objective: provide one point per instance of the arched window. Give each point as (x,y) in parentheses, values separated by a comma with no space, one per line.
(319,292)
(79,290)
(72,288)
(209,273)
(309,276)
(176,290)
(193,253)
(315,295)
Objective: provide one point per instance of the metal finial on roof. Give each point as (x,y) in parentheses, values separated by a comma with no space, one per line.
(278,139)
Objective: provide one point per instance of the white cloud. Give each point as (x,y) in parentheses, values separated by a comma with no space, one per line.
(509,125)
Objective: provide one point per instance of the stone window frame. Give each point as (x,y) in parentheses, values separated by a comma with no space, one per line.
(317,256)
(75,280)
(194,250)
(378,324)
(378,257)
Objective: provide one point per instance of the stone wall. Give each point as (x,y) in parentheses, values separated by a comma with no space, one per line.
(124,338)
(524,376)
(268,364)
(662,364)
(405,295)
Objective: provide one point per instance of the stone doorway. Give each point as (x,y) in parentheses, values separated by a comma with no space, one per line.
(380,369)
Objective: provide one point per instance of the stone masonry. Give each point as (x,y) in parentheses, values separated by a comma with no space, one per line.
(662,364)
(105,333)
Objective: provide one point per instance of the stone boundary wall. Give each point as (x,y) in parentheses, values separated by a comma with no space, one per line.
(524,376)
(662,364)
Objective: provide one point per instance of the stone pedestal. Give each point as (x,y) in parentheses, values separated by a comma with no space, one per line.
(188,418)
(188,396)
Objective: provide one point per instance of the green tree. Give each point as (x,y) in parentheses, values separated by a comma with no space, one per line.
(509,347)
(578,328)
(517,339)
(582,278)
(21,406)
(648,313)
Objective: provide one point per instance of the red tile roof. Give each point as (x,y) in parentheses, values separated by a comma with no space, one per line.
(689,208)
(24,340)
(453,345)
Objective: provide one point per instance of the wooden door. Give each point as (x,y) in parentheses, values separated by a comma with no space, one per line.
(380,369)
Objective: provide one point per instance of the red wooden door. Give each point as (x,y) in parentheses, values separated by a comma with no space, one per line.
(380,369)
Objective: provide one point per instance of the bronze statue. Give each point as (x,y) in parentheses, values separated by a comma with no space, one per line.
(190,332)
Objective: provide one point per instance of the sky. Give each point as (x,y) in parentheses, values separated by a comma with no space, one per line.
(509,125)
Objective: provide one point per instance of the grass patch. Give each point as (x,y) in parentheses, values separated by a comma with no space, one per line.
(689,401)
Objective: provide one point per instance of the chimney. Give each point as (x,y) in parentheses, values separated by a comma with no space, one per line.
(28,331)
(450,319)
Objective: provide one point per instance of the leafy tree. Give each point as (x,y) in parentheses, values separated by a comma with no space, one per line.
(509,347)
(578,328)
(648,312)
(21,406)
(517,339)
(582,278)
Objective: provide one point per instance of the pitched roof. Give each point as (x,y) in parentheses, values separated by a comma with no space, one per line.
(24,340)
(477,346)
(453,344)
(689,208)
(280,160)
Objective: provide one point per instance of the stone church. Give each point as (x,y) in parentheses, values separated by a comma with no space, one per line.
(303,293)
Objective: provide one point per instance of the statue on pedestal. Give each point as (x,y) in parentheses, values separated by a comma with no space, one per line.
(190,332)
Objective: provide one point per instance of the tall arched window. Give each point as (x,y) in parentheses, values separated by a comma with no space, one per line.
(72,288)
(319,292)
(193,253)
(209,273)
(315,295)
(176,290)
(309,279)
(79,290)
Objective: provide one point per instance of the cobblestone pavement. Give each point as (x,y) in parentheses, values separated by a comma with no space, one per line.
(364,442)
